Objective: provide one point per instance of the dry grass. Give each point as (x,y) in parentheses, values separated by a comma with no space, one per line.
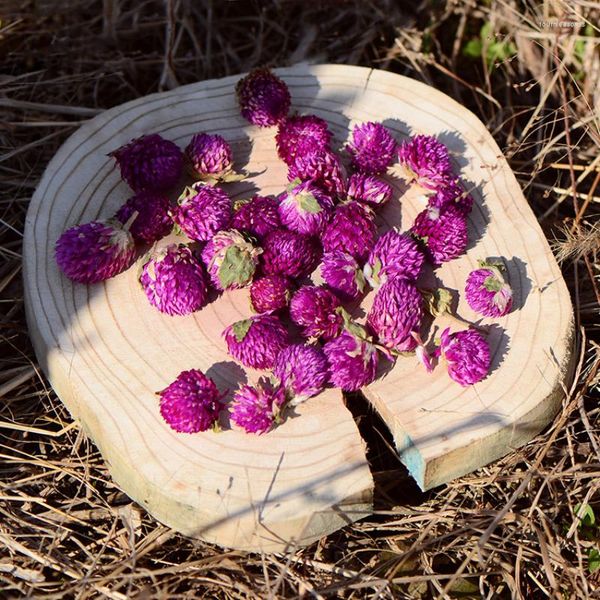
(509,530)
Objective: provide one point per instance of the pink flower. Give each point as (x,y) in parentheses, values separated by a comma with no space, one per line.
(467,356)
(270,293)
(342,273)
(372,148)
(369,189)
(299,135)
(316,310)
(303,371)
(191,403)
(451,194)
(152,222)
(209,156)
(426,160)
(487,291)
(256,408)
(322,167)
(289,253)
(351,229)
(305,208)
(257,216)
(263,97)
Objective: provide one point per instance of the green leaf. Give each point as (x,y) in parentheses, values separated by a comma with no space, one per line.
(587,518)
(593,560)
(308,203)
(237,267)
(486,33)
(438,301)
(472,49)
(493,284)
(241,328)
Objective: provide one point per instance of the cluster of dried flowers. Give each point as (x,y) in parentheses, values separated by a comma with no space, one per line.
(324,220)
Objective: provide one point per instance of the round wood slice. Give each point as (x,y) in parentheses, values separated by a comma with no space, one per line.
(107,352)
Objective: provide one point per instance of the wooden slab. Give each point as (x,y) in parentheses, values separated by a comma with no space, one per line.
(106,351)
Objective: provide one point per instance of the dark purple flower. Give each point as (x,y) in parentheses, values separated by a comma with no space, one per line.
(372,148)
(305,208)
(257,216)
(369,189)
(426,160)
(487,291)
(149,163)
(289,253)
(303,371)
(270,293)
(451,194)
(316,310)
(264,98)
(342,273)
(467,355)
(256,408)
(209,156)
(299,135)
(152,222)
(323,167)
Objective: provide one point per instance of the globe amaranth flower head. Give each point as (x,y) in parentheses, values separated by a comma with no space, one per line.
(372,148)
(426,161)
(257,216)
(321,166)
(316,310)
(444,233)
(96,251)
(270,293)
(394,254)
(256,342)
(174,281)
(487,291)
(230,260)
(149,163)
(352,358)
(351,229)
(202,210)
(298,135)
(263,97)
(191,403)
(305,208)
(209,157)
(342,273)
(302,370)
(153,220)
(467,355)
(450,194)
(369,189)
(257,408)
(289,253)
(397,311)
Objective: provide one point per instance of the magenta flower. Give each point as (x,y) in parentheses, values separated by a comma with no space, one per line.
(372,148)
(316,310)
(352,358)
(289,253)
(256,342)
(174,281)
(300,135)
(369,189)
(450,194)
(394,254)
(264,98)
(202,211)
(209,157)
(270,293)
(230,260)
(487,291)
(426,161)
(191,403)
(397,311)
(342,273)
(322,167)
(467,356)
(351,229)
(152,222)
(443,232)
(256,408)
(302,370)
(95,251)
(257,216)
(305,208)
(149,163)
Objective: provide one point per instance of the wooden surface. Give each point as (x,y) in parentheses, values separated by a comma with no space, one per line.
(106,351)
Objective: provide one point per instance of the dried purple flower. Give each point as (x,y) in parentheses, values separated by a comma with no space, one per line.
(257,341)
(209,157)
(443,232)
(257,216)
(426,161)
(487,291)
(289,253)
(191,403)
(299,135)
(394,254)
(305,208)
(95,251)
(264,98)
(467,355)
(202,211)
(270,293)
(174,281)
(342,273)
(396,312)
(323,167)
(149,163)
(256,408)
(351,229)
(372,148)
(369,189)
(316,310)
(303,371)
(153,220)
(451,194)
